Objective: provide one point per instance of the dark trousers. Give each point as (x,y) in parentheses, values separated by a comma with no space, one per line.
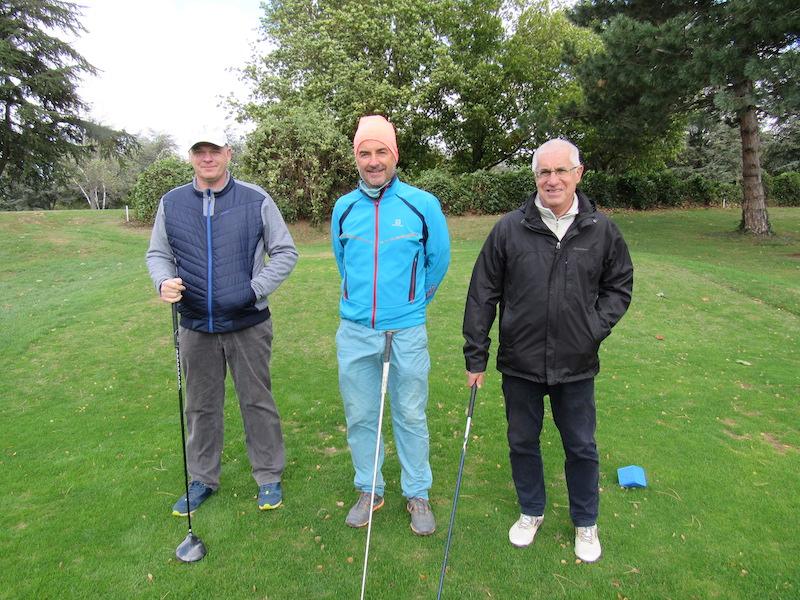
(574,414)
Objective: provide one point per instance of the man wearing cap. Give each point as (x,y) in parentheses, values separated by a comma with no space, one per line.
(563,277)
(207,252)
(392,247)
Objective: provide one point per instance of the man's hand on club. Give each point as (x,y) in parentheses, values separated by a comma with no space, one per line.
(171,290)
(473,378)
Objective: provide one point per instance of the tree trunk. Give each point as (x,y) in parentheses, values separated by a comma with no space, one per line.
(755,219)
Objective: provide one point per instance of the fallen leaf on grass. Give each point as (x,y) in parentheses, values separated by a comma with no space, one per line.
(149,578)
(339,503)
(744,362)
(659,337)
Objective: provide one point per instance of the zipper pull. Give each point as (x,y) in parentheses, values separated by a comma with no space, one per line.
(558,245)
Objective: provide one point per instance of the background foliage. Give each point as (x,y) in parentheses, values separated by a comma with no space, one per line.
(155,181)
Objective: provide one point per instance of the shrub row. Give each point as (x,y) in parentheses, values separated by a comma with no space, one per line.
(497,192)
(486,192)
(783,189)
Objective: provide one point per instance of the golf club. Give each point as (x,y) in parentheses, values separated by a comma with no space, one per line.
(472,395)
(192,548)
(387,352)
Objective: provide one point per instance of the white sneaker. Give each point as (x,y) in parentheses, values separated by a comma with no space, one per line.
(587,544)
(522,532)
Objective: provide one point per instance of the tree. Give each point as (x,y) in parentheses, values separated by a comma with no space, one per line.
(665,59)
(353,58)
(302,159)
(782,146)
(40,107)
(712,150)
(472,81)
(505,78)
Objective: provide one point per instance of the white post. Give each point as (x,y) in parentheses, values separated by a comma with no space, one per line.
(127,218)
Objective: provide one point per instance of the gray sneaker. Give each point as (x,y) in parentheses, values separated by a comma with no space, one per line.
(359,514)
(422,521)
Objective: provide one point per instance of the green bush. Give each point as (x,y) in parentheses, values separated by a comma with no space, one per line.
(668,188)
(729,194)
(636,190)
(299,156)
(700,191)
(485,192)
(785,189)
(517,186)
(448,188)
(155,181)
(600,186)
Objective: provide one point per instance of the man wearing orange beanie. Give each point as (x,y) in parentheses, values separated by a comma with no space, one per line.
(392,247)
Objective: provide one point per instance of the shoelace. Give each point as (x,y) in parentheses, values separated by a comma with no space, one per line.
(419,505)
(587,534)
(527,521)
(363,500)
(196,487)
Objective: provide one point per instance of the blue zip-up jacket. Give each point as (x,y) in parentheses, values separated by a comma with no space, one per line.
(392,253)
(216,241)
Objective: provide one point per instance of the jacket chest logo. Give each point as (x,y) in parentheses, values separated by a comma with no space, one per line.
(397,223)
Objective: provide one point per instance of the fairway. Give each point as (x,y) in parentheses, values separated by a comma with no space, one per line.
(699,385)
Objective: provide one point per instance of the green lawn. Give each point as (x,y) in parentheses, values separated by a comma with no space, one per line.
(699,385)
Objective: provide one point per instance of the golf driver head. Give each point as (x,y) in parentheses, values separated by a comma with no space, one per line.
(191,549)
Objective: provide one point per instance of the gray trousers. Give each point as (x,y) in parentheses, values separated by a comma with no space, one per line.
(205,358)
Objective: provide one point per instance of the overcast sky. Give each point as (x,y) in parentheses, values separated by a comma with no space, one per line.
(165,64)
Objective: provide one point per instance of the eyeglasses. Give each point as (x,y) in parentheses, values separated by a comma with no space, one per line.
(560,172)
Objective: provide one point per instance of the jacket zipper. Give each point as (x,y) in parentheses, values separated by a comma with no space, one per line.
(413,287)
(377,202)
(210,273)
(375,267)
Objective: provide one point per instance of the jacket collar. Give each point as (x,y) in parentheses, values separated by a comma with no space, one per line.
(532,219)
(389,189)
(229,181)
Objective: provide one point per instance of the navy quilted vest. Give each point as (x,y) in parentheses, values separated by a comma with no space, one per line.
(214,255)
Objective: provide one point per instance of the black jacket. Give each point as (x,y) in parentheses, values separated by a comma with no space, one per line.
(558,300)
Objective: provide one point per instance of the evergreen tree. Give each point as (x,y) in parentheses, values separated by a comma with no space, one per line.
(40,108)
(736,59)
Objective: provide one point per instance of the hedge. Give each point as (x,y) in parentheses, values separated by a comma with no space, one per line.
(495,192)
(785,189)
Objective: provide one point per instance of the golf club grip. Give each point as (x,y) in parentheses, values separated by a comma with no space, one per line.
(472,394)
(174,318)
(387,351)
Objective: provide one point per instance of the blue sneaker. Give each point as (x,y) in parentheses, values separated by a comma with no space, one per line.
(198,493)
(270,496)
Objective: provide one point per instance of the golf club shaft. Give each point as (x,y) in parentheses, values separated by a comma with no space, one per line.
(472,395)
(180,406)
(387,354)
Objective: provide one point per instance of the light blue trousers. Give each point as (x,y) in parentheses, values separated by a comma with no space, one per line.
(360,353)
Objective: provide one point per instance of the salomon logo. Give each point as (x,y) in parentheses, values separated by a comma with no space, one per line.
(397,223)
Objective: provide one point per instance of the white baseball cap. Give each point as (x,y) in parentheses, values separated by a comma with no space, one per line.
(210,135)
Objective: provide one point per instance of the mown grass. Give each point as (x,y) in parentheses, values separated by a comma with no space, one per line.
(699,386)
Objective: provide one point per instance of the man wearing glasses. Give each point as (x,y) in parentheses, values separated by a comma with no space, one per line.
(563,277)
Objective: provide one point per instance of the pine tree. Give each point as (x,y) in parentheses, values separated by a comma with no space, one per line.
(40,109)
(736,59)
